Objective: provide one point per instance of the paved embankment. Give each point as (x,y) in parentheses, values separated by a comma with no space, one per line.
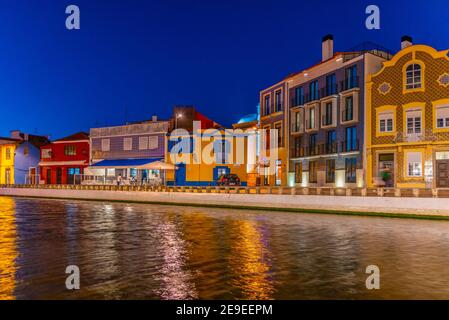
(429,208)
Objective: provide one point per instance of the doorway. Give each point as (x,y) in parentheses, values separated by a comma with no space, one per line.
(386,169)
(59,176)
(442,173)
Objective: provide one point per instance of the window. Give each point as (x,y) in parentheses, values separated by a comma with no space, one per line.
(278,180)
(313,144)
(351,139)
(267,138)
(46,153)
(296,126)
(413,77)
(297,147)
(313,90)
(299,96)
(331,142)
(8,154)
(266,174)
(414,164)
(331,85)
(298,172)
(413,121)
(348,112)
(127,144)
(312,171)
(143,143)
(221,171)
(386,122)
(328,113)
(105,145)
(442,117)
(311,118)
(278,101)
(330,170)
(153,142)
(221,150)
(267,105)
(69,150)
(278,128)
(350,170)
(351,80)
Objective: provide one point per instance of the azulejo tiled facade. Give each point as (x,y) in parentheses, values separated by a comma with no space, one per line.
(407,127)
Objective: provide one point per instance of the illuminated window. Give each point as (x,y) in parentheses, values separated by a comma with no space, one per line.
(128,144)
(105,145)
(8,154)
(413,121)
(413,76)
(312,171)
(414,164)
(330,170)
(69,150)
(278,101)
(442,117)
(143,143)
(386,122)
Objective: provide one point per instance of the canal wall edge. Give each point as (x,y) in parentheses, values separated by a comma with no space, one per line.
(382,206)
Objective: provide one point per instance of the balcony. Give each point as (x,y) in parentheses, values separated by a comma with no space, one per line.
(349,83)
(297,101)
(349,145)
(426,136)
(309,97)
(328,91)
(347,115)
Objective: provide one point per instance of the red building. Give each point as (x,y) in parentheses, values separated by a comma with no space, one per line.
(63,160)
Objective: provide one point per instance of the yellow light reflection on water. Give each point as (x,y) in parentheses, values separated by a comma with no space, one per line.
(250,260)
(8,250)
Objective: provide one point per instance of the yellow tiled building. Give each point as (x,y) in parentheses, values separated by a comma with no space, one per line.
(7,150)
(407,123)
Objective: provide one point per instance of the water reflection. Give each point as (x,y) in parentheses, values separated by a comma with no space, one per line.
(250,260)
(132,251)
(8,249)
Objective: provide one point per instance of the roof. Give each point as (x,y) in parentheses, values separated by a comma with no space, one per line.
(248,118)
(75,137)
(124,163)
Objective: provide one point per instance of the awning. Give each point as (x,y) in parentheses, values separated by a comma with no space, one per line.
(158,165)
(123,163)
(62,163)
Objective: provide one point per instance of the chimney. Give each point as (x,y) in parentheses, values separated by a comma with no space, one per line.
(154,118)
(327,47)
(406,41)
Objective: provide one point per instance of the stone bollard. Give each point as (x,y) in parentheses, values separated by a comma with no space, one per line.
(397,192)
(318,191)
(363,192)
(416,192)
(280,190)
(380,192)
(348,192)
(332,192)
(435,193)
(305,191)
(293,191)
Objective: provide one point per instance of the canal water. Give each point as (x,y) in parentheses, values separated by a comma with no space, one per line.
(141,251)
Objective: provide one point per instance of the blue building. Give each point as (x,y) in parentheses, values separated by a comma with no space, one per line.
(27,157)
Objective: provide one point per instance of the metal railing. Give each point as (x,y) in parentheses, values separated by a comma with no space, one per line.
(333,191)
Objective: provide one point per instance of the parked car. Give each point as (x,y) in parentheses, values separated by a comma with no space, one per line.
(228,180)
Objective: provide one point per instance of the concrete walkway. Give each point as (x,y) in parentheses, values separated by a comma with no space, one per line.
(432,208)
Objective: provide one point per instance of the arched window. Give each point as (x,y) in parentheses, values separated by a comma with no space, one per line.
(413,76)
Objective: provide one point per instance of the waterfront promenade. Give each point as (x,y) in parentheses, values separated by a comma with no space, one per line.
(415,203)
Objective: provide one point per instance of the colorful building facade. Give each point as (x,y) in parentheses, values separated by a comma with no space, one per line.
(7,150)
(319,115)
(408,123)
(203,156)
(19,158)
(63,161)
(123,152)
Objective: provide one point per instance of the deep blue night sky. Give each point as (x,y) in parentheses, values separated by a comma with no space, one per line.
(146,56)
